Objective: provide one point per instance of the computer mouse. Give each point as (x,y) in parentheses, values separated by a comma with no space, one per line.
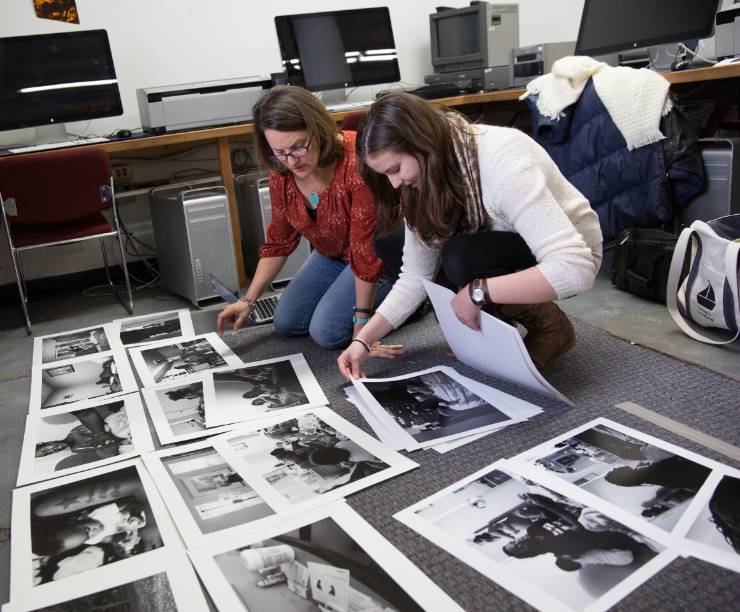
(123,134)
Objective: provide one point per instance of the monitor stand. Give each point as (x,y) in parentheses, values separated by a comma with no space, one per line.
(54,132)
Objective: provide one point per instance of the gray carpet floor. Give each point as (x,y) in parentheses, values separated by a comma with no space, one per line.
(598,373)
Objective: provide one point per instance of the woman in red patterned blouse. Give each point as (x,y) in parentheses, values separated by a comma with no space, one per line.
(316,191)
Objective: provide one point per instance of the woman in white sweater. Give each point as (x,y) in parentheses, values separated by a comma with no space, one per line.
(490,206)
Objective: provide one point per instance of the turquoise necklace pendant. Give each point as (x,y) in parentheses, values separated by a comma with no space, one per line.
(313,199)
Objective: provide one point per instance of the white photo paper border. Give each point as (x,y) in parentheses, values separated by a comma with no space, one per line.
(186,326)
(397,463)
(188,527)
(182,580)
(21,579)
(232,361)
(512,581)
(140,437)
(108,329)
(123,369)
(407,575)
(218,414)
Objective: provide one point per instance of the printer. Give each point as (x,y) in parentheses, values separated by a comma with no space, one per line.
(191,105)
(727,33)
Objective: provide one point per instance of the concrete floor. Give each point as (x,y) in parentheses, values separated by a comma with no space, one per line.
(621,314)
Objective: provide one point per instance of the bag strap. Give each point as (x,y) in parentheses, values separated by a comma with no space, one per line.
(690,328)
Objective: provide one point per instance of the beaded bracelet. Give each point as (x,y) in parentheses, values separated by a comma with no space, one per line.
(368,311)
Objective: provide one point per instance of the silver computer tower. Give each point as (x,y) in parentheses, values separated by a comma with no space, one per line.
(192,232)
(255,214)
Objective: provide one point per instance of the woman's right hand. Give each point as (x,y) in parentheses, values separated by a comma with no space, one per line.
(235,314)
(351,360)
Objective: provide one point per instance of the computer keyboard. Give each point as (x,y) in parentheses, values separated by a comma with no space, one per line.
(264,308)
(345,106)
(59,145)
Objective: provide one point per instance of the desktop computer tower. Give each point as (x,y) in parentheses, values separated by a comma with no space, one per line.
(255,213)
(721,193)
(192,232)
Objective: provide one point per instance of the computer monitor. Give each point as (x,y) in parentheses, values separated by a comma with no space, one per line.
(338,49)
(477,36)
(49,79)
(608,26)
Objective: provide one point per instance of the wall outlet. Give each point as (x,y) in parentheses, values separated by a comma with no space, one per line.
(123,174)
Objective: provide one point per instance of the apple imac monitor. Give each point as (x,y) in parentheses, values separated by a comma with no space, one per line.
(608,26)
(334,50)
(49,79)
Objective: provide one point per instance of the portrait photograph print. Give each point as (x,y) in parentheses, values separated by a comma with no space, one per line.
(330,559)
(260,388)
(429,407)
(296,463)
(78,523)
(713,524)
(552,551)
(73,344)
(206,498)
(61,441)
(178,412)
(179,360)
(81,382)
(162,580)
(651,479)
(138,331)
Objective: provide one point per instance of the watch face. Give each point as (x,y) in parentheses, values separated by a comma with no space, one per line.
(478,295)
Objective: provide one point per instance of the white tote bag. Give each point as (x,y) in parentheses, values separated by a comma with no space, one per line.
(705,302)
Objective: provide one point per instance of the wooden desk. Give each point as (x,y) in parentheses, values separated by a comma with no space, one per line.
(221,136)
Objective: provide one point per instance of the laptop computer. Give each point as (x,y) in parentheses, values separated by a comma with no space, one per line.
(263,309)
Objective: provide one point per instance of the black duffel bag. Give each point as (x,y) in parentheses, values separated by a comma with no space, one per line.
(642,259)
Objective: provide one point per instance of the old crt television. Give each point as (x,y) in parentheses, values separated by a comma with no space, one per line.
(609,25)
(477,36)
(48,79)
(338,49)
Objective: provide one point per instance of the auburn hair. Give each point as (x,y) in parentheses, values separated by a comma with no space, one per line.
(287,108)
(404,123)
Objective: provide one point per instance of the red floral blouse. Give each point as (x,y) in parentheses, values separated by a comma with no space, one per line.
(345,218)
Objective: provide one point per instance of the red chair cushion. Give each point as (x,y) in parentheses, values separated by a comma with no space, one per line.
(38,234)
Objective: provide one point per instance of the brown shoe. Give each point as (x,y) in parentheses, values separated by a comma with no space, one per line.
(550,333)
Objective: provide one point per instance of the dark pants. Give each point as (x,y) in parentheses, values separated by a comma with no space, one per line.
(485,254)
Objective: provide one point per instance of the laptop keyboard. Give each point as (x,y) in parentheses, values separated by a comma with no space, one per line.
(264,308)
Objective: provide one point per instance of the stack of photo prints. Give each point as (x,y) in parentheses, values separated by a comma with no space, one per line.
(246,487)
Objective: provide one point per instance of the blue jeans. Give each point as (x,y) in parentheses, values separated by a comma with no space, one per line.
(319,301)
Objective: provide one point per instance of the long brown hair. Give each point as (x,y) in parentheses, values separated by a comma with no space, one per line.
(404,123)
(287,108)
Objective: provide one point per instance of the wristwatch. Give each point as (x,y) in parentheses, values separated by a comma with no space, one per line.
(478,291)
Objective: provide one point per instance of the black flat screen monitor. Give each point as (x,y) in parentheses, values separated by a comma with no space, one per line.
(618,25)
(49,79)
(337,49)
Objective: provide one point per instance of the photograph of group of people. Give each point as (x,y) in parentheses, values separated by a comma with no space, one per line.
(74,344)
(137,331)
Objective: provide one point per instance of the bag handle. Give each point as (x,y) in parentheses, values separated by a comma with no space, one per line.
(697,332)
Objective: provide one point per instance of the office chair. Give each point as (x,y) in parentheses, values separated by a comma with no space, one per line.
(56,198)
(352,121)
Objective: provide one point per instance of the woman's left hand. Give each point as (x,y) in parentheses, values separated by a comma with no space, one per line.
(467,312)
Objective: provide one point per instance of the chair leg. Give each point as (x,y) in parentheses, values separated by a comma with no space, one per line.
(21,287)
(130,305)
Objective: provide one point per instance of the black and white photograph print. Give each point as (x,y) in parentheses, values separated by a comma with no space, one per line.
(72,344)
(182,359)
(429,407)
(260,388)
(163,581)
(540,545)
(327,560)
(204,495)
(650,480)
(309,459)
(76,524)
(81,381)
(137,331)
(64,441)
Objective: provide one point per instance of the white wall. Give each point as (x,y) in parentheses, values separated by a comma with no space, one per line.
(163,42)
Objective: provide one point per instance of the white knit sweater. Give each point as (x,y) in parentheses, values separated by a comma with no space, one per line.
(523,192)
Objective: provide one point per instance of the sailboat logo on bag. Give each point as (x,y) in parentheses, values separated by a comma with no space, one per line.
(706,297)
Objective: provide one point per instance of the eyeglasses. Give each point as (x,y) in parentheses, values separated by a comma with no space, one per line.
(297,153)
